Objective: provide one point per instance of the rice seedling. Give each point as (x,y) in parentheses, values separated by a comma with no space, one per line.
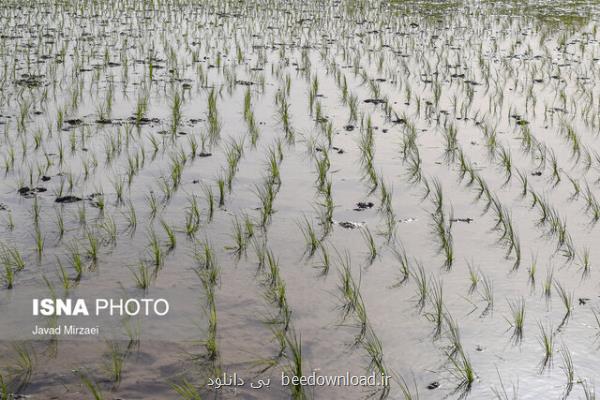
(131,216)
(115,364)
(502,392)
(239,238)
(584,261)
(93,245)
(474,277)
(517,310)
(462,370)
(405,390)
(546,340)
(568,369)
(156,253)
(437,304)
(404,266)
(205,257)
(143,276)
(21,369)
(566,298)
(221,185)
(40,241)
(295,366)
(310,236)
(172,239)
(90,385)
(371,245)
(487,294)
(186,390)
(547,284)
(210,200)
(420,278)
(210,343)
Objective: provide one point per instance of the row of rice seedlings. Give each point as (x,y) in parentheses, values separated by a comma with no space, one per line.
(353,305)
(208,271)
(367,155)
(460,366)
(442,228)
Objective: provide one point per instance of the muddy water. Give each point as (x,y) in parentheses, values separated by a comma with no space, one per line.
(494,65)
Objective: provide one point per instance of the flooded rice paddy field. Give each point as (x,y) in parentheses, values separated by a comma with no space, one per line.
(401,188)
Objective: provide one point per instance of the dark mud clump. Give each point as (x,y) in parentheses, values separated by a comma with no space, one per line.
(145,120)
(348,224)
(30,81)
(67,199)
(26,191)
(466,220)
(244,83)
(74,122)
(375,101)
(361,205)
